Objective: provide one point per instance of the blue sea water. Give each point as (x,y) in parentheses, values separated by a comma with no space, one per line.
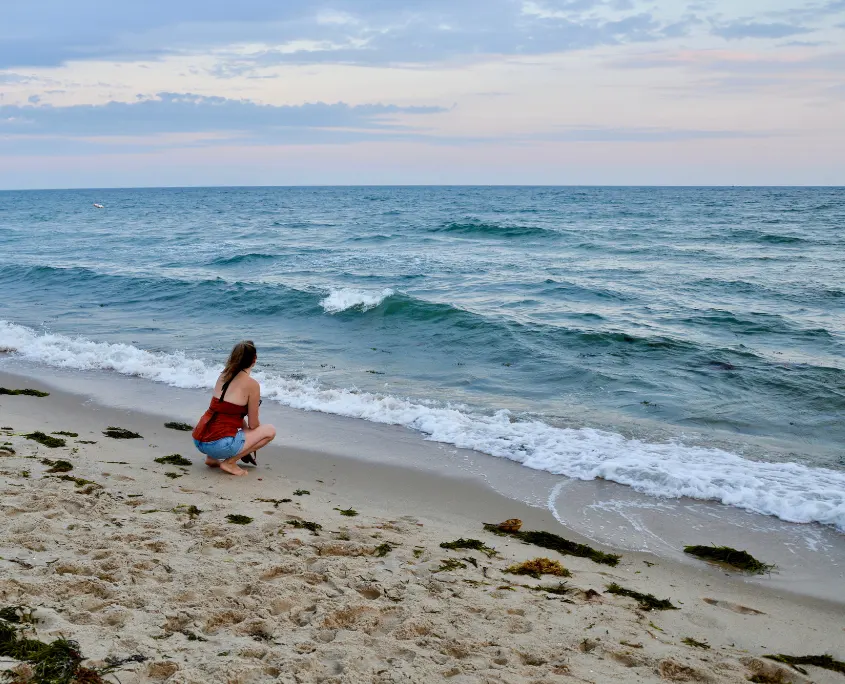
(683,341)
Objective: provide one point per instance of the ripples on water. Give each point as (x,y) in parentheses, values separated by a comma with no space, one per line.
(709,316)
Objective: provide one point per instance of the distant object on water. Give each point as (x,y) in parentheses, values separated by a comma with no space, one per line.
(99,206)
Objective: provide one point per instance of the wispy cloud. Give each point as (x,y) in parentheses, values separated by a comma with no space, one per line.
(642,134)
(319,31)
(200,120)
(751,29)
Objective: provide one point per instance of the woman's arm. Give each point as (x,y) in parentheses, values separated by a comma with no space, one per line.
(252,405)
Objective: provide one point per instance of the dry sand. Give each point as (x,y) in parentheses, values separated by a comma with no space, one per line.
(121,567)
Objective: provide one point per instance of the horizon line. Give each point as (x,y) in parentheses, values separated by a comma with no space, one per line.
(417,185)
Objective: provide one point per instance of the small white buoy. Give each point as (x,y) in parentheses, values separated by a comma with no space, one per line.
(99,206)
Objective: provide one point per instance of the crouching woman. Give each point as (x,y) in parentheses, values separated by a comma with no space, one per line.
(230,430)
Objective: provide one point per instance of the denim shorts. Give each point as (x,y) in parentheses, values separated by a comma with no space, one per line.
(221,449)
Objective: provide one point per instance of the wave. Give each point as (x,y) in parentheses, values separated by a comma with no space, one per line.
(768,238)
(241,259)
(479,229)
(345,299)
(790,491)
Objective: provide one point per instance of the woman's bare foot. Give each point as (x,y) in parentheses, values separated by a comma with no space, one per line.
(232,469)
(212,463)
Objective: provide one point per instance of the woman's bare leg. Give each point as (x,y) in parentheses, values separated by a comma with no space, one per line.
(255,440)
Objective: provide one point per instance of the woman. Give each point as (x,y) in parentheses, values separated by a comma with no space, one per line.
(230,430)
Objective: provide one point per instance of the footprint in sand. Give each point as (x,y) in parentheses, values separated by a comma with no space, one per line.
(735,607)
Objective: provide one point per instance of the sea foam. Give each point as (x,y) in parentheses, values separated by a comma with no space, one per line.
(790,491)
(347,298)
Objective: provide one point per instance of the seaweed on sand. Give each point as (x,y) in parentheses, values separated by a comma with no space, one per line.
(24,392)
(237,519)
(548,540)
(450,564)
(646,601)
(65,433)
(59,466)
(120,433)
(46,440)
(689,641)
(175,425)
(80,482)
(348,512)
(6,450)
(57,662)
(383,549)
(471,544)
(172,475)
(826,662)
(741,560)
(306,525)
(18,614)
(559,589)
(301,492)
(275,502)
(538,567)
(173,459)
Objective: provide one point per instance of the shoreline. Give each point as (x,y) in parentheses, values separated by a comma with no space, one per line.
(326,608)
(602,512)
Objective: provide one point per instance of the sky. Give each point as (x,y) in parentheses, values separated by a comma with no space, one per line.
(99,93)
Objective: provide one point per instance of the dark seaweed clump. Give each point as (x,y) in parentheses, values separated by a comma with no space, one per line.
(173,459)
(826,662)
(120,433)
(57,662)
(538,567)
(383,549)
(191,511)
(275,502)
(348,512)
(559,589)
(59,466)
(472,544)
(80,482)
(450,564)
(179,426)
(65,433)
(547,540)
(46,440)
(646,601)
(305,525)
(689,641)
(741,560)
(17,614)
(24,392)
(301,492)
(237,519)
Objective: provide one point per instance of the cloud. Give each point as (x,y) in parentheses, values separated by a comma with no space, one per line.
(179,112)
(50,32)
(749,29)
(198,120)
(641,134)
(708,61)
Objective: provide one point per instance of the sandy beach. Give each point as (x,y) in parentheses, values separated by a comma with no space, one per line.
(138,562)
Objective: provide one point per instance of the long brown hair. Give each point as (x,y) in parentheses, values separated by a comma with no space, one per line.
(242,357)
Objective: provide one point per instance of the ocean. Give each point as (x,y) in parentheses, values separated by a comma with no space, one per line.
(684,342)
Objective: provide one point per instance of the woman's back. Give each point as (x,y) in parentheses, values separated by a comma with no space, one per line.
(238,390)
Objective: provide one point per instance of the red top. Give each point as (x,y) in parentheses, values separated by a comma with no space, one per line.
(222,419)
